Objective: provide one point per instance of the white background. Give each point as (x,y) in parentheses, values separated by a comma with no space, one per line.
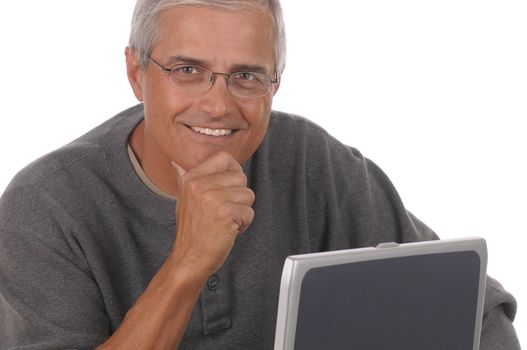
(435,92)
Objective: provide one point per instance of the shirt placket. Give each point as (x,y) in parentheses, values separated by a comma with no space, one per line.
(215,305)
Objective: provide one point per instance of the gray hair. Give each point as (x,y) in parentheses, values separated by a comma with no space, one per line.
(144,33)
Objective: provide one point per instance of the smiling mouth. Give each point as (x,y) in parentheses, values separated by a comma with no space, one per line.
(212,132)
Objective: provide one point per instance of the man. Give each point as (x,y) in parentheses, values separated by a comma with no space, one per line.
(167,226)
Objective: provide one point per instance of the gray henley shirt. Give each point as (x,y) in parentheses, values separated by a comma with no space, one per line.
(81,236)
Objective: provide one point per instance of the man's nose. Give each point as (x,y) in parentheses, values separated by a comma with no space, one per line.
(218,100)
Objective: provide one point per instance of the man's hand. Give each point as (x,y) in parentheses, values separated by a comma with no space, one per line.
(213,207)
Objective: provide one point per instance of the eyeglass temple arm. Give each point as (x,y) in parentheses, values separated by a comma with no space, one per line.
(158,65)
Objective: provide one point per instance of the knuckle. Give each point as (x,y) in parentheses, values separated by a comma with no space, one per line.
(238,178)
(251,196)
(243,178)
(193,185)
(209,198)
(224,212)
(249,215)
(242,196)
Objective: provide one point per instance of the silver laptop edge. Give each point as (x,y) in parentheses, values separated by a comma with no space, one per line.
(296,266)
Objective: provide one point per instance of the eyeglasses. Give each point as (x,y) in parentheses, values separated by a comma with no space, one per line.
(195,79)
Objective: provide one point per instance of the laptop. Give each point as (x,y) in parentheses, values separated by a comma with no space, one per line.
(413,296)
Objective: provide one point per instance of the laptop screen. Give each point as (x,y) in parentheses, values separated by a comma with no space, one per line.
(412,296)
(412,303)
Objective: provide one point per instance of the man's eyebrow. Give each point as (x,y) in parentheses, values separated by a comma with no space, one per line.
(250,68)
(181,59)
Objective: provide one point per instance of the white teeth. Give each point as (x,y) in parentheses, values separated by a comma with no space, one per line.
(212,132)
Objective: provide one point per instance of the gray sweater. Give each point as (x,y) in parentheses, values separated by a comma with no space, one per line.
(81,236)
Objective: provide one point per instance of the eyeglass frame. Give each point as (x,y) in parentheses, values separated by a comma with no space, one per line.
(214,74)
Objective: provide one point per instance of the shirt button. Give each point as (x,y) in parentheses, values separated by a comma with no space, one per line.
(212,283)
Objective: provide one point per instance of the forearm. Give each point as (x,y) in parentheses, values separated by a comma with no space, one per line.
(214,206)
(159,317)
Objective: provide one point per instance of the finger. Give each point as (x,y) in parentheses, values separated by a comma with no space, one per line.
(247,219)
(179,169)
(237,217)
(217,162)
(226,179)
(180,173)
(231,195)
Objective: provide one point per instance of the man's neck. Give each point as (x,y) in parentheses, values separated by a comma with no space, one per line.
(161,174)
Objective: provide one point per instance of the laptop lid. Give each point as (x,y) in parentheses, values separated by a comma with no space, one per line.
(412,296)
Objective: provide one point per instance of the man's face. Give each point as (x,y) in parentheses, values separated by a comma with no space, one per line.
(175,122)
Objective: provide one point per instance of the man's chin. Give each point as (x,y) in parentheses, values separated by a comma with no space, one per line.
(200,157)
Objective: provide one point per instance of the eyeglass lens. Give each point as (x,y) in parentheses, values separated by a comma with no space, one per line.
(197,79)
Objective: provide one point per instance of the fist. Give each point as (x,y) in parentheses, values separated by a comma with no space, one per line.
(213,207)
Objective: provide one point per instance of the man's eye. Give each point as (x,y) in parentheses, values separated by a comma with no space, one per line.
(245,76)
(185,70)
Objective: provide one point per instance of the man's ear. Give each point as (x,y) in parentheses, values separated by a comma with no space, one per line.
(276,87)
(135,74)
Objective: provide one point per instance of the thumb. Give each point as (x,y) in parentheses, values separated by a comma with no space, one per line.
(181,172)
(178,168)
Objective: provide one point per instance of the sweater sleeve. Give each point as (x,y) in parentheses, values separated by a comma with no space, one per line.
(48,298)
(500,308)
